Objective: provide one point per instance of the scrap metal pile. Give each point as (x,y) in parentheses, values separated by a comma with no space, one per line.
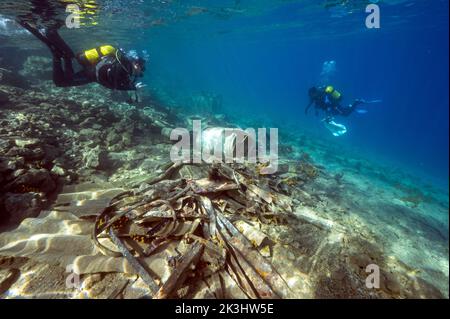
(207,220)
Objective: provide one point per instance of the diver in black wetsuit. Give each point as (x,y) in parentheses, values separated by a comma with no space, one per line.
(329,100)
(106,65)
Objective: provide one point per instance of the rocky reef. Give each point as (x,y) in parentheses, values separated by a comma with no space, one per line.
(68,154)
(50,139)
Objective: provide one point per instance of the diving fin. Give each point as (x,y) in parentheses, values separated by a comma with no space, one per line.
(43,37)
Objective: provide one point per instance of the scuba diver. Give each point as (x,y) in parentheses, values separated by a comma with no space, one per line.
(106,65)
(328,99)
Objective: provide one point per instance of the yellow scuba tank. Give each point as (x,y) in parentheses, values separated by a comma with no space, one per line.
(93,56)
(335,95)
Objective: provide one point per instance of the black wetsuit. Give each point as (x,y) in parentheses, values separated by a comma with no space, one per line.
(115,75)
(331,106)
(108,72)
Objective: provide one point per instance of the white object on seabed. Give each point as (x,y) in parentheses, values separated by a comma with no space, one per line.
(215,138)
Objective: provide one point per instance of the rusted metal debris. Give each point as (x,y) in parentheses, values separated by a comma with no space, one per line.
(198,214)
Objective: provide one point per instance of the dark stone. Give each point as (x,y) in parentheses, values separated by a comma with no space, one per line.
(127,139)
(390,284)
(21,206)
(19,151)
(133,115)
(113,160)
(113,138)
(3,97)
(51,152)
(38,180)
(6,166)
(5,145)
(89,134)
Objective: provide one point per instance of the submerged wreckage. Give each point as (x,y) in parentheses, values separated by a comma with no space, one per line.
(210,225)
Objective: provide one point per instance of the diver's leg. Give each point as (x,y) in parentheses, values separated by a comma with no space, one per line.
(56,40)
(356,103)
(34,31)
(66,78)
(59,77)
(68,69)
(59,49)
(346,111)
(349,109)
(51,38)
(62,77)
(80,78)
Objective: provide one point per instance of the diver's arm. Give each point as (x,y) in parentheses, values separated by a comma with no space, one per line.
(126,87)
(120,79)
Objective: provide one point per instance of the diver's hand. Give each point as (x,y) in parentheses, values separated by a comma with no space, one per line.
(140,85)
